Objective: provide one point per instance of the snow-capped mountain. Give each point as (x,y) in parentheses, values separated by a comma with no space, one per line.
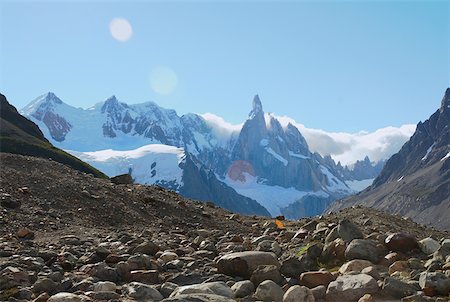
(262,160)
(171,167)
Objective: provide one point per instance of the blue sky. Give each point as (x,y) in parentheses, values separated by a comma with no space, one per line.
(334,65)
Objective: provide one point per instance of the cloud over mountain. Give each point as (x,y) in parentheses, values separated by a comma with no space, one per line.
(344,147)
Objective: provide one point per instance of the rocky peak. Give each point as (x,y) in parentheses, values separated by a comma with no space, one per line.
(445,104)
(50,97)
(257,107)
(110,104)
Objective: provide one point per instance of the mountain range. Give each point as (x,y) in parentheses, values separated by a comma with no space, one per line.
(415,182)
(262,168)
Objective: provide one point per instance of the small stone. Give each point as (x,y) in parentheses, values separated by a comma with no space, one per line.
(354,266)
(298,293)
(351,287)
(243,289)
(436,281)
(213,288)
(148,248)
(269,291)
(104,295)
(104,286)
(429,245)
(399,266)
(244,263)
(266,272)
(367,298)
(364,249)
(42,298)
(25,233)
(397,289)
(167,288)
(168,256)
(314,279)
(65,297)
(140,291)
(371,271)
(145,276)
(401,242)
(319,292)
(348,231)
(292,267)
(45,285)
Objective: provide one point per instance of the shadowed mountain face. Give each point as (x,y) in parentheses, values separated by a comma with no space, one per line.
(415,182)
(21,136)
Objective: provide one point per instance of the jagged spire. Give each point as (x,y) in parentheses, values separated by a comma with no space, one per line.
(445,104)
(110,104)
(257,107)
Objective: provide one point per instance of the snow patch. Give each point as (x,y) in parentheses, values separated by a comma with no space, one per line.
(292,154)
(428,152)
(277,156)
(445,157)
(359,185)
(150,164)
(264,142)
(334,184)
(273,198)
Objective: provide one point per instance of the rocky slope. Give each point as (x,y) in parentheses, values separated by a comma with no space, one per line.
(415,182)
(67,236)
(20,135)
(263,155)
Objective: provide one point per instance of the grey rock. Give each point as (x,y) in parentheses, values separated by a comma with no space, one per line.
(269,291)
(148,248)
(243,289)
(351,287)
(198,298)
(429,245)
(266,272)
(103,286)
(141,291)
(348,231)
(319,292)
(104,295)
(298,293)
(436,280)
(364,249)
(244,263)
(45,285)
(167,288)
(397,289)
(292,267)
(213,288)
(65,297)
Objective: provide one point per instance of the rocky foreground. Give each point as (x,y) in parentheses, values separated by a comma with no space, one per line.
(66,237)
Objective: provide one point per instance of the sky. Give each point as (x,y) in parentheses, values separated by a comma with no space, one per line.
(341,66)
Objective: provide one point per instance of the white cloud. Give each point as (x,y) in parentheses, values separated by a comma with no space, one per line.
(344,147)
(120,29)
(349,147)
(220,128)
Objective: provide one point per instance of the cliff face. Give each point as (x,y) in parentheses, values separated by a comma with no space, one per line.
(415,181)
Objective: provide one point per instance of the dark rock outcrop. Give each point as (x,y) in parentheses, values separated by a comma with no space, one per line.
(415,182)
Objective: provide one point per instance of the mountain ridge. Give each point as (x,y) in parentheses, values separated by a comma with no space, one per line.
(415,182)
(278,155)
